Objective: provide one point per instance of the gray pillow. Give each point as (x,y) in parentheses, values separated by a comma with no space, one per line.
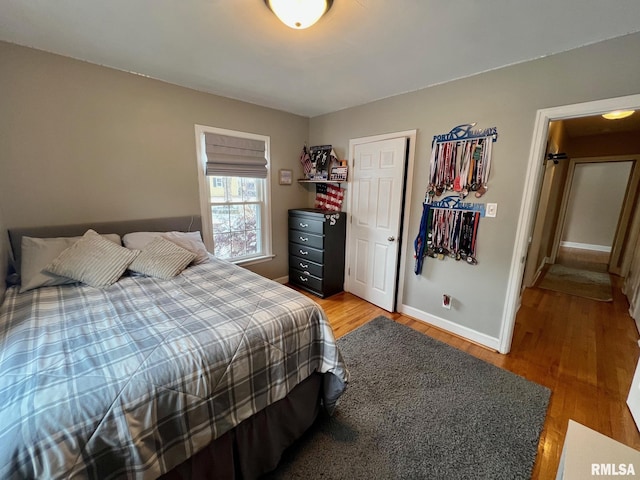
(93,260)
(37,253)
(162,259)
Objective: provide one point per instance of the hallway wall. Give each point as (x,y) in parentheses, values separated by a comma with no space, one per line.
(595,201)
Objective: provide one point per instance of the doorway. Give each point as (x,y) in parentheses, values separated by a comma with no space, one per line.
(598,203)
(532,190)
(591,229)
(584,213)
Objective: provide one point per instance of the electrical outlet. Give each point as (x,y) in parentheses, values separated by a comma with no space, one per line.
(446,301)
(492,210)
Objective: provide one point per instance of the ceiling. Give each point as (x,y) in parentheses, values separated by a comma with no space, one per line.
(362,50)
(596,125)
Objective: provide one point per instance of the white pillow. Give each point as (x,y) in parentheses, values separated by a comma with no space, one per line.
(191,241)
(37,253)
(162,258)
(93,260)
(139,240)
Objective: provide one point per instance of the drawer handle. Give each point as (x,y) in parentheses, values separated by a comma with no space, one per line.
(303,225)
(304,279)
(306,273)
(304,239)
(303,265)
(302,252)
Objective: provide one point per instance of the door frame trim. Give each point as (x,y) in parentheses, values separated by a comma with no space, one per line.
(406,202)
(530,196)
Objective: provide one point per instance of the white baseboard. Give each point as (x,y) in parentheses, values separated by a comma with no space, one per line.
(587,246)
(462,331)
(545,260)
(282,280)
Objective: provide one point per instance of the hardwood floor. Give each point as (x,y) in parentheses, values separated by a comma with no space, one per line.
(583,350)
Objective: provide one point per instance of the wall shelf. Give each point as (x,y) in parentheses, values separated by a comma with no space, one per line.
(321,181)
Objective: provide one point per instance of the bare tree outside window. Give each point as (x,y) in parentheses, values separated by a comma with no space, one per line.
(236,206)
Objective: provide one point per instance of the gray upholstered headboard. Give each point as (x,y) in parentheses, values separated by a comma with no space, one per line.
(181,224)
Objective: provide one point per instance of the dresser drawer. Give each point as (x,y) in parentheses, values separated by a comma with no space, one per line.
(306,224)
(302,251)
(306,239)
(305,265)
(305,279)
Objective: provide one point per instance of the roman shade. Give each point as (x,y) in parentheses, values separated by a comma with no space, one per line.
(235,157)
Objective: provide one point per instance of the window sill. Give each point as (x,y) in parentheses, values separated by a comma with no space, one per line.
(254,260)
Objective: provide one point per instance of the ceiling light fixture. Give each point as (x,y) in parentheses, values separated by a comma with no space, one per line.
(299,14)
(618,114)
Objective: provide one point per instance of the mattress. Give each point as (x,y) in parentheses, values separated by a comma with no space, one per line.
(133,379)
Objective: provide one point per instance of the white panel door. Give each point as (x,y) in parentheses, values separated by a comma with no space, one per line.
(376,183)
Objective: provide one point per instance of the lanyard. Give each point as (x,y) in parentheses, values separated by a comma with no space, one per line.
(461,166)
(453,233)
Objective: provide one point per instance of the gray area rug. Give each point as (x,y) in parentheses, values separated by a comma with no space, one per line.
(416,408)
(574,281)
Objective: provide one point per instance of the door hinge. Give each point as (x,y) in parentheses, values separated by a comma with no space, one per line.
(349,271)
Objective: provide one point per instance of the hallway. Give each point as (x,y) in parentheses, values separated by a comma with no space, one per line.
(586,352)
(591,260)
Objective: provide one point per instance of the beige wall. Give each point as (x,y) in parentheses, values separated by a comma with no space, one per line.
(507,99)
(84,143)
(4,254)
(595,202)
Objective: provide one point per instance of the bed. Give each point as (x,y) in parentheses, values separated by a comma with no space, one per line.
(211,374)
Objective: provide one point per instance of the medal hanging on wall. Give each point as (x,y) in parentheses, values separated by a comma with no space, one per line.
(452,233)
(461,161)
(461,166)
(469,234)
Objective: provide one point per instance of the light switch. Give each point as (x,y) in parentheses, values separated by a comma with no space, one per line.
(492,210)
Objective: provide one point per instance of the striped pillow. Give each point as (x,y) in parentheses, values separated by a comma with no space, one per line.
(162,258)
(38,253)
(93,260)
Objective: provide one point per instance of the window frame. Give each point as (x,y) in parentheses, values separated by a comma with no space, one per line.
(205,197)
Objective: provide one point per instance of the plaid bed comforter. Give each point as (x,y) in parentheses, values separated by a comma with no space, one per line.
(131,380)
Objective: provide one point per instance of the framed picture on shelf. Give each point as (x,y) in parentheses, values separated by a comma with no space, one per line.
(320,159)
(286,177)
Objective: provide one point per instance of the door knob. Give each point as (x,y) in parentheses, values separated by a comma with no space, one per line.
(391,239)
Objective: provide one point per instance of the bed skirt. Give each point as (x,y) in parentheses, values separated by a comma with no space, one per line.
(255,446)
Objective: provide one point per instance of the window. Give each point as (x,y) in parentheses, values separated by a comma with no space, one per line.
(233,169)
(235,214)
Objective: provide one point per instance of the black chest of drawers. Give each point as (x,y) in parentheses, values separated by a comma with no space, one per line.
(316,250)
